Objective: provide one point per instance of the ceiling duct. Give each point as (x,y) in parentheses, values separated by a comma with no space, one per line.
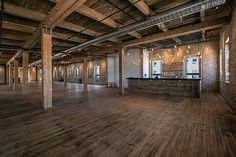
(155,20)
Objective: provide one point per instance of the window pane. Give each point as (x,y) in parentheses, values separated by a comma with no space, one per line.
(156,68)
(220,65)
(192,67)
(97,71)
(227,61)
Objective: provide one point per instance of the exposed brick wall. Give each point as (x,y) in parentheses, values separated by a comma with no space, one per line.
(228,90)
(91,77)
(210,66)
(173,65)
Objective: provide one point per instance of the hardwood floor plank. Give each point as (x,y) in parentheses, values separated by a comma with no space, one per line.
(103,123)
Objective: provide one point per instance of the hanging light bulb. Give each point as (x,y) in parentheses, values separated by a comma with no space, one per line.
(128,54)
(188,46)
(175,46)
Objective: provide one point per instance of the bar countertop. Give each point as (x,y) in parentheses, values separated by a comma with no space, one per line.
(136,78)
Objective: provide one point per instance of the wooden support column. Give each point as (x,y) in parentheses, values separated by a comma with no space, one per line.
(85,68)
(46,47)
(25,65)
(7,74)
(107,72)
(121,70)
(37,74)
(65,76)
(52,76)
(16,66)
(11,75)
(141,62)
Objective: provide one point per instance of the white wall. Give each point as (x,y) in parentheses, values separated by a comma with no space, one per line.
(132,69)
(145,63)
(113,69)
(117,70)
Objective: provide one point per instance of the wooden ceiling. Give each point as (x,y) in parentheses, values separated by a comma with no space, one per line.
(81,20)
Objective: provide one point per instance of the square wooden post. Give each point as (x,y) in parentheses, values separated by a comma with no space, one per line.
(46,47)
(25,64)
(65,76)
(85,68)
(11,75)
(121,70)
(16,66)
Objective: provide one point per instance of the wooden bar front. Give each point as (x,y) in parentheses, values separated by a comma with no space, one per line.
(167,86)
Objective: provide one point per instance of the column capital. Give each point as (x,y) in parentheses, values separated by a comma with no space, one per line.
(46,30)
(25,52)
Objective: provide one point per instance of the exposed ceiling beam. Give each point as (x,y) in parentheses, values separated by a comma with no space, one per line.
(37,16)
(17,27)
(143,7)
(178,32)
(67,37)
(177,40)
(28,29)
(14,36)
(61,11)
(57,15)
(77,28)
(23,12)
(97,16)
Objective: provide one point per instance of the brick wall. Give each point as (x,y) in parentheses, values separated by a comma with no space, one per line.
(228,90)
(173,62)
(58,70)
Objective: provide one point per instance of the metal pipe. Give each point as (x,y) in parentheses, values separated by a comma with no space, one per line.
(155,20)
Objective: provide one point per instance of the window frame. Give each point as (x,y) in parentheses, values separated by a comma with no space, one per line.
(185,67)
(157,74)
(227,61)
(97,75)
(76,72)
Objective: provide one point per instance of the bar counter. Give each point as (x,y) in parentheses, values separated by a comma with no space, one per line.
(168,86)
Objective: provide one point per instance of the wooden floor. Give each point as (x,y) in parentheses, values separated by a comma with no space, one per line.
(104,124)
